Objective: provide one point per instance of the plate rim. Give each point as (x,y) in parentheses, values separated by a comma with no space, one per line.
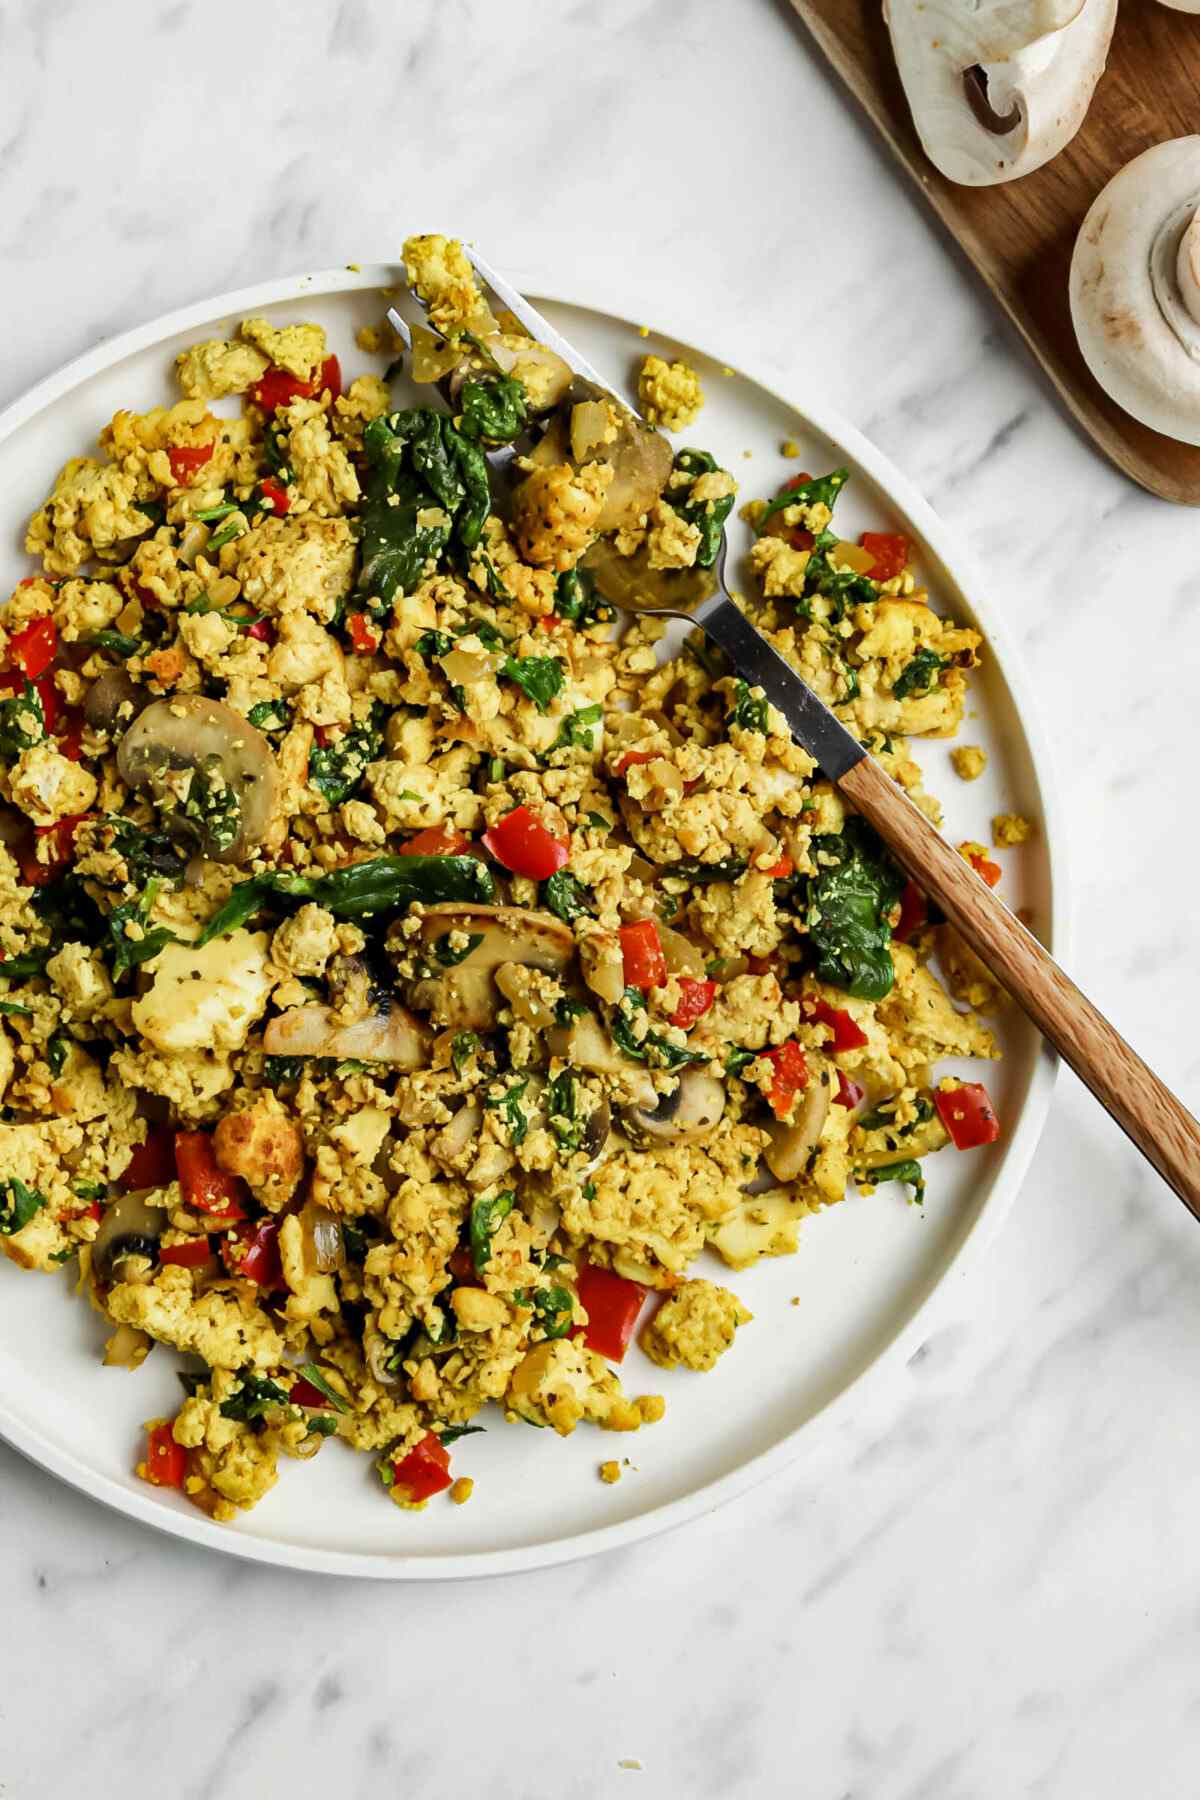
(686,327)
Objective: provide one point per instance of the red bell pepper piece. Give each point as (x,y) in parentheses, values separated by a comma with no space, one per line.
(186,459)
(166,1463)
(522,843)
(152,1163)
(204,1184)
(849,1092)
(791,1076)
(34,647)
(252,1251)
(968,1115)
(914,912)
(363,635)
(695,998)
(636,756)
(642,953)
(62,838)
(48,695)
(425,1470)
(847,1033)
(461,1265)
(983,865)
(70,741)
(889,551)
(278,496)
(192,1255)
(277,388)
(438,840)
(779,871)
(329,378)
(303,1393)
(612,1305)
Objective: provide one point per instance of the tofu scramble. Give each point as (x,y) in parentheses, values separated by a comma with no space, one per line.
(404,974)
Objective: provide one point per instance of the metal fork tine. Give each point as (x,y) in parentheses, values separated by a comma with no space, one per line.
(539,327)
(400,326)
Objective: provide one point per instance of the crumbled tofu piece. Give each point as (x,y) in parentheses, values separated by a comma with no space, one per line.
(969,761)
(669,394)
(205,999)
(694,1326)
(1010,829)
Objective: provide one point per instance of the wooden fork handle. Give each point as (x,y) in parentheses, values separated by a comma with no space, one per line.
(1161,1127)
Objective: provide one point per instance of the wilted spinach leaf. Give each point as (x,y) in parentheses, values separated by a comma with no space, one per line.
(427,487)
(847,909)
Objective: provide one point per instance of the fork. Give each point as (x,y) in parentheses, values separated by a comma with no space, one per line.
(1142,1105)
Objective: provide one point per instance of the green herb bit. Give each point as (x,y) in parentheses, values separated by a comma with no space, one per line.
(578,730)
(539,678)
(463,1048)
(120,643)
(450,955)
(920,675)
(750,711)
(312,1374)
(908,1171)
(22,722)
(565,896)
(270,715)
(18,1204)
(450,1434)
(252,1398)
(486,1217)
(823,490)
(508,1105)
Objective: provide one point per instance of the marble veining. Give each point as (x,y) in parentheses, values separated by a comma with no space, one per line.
(985,1582)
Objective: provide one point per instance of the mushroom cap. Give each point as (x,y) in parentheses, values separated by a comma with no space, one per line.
(1135,288)
(189,731)
(1187,6)
(999,89)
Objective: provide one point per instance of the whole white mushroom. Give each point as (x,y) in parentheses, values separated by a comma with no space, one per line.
(1135,288)
(999,87)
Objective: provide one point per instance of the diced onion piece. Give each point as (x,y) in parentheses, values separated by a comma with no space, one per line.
(845,555)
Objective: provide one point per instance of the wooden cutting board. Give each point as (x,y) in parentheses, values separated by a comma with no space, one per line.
(1020,236)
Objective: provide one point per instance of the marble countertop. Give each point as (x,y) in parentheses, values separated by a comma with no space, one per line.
(985,1588)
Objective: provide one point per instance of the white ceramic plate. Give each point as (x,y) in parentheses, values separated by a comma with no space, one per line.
(865,1269)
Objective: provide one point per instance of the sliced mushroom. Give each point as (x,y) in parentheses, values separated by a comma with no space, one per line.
(1135,288)
(999,87)
(791,1145)
(129,1228)
(113,701)
(192,732)
(390,1035)
(464,996)
(682,1117)
(641,457)
(324,1230)
(586,1045)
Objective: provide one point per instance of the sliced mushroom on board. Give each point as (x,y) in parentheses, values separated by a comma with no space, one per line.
(998,88)
(1135,288)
